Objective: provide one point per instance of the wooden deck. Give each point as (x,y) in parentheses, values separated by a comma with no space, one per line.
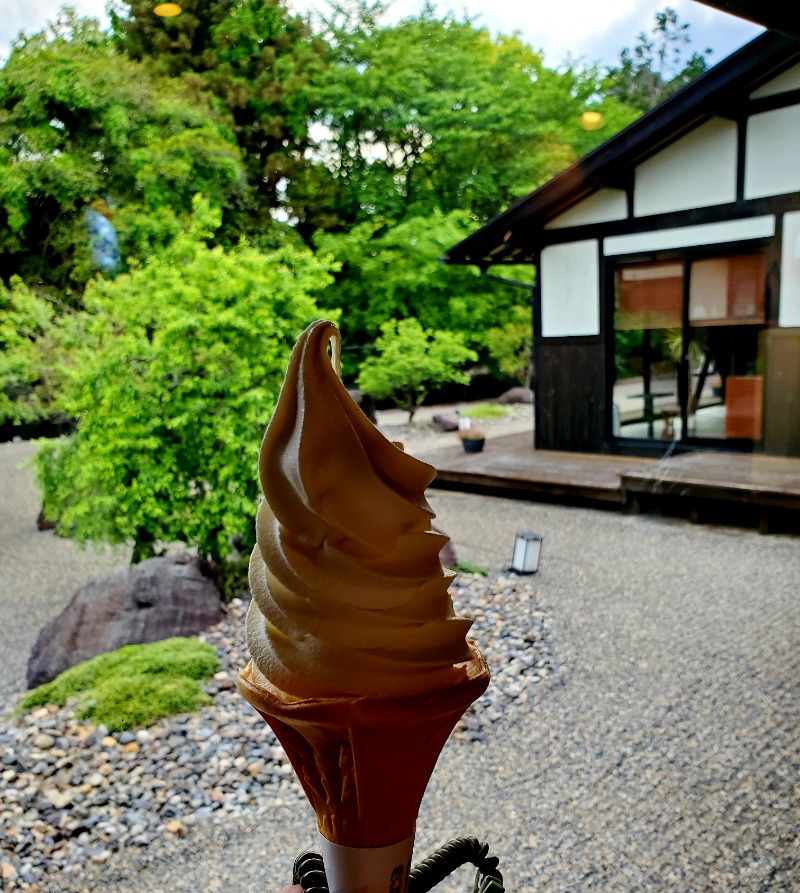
(764,484)
(765,481)
(510,463)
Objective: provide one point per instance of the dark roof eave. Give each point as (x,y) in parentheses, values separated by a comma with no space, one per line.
(492,244)
(775,14)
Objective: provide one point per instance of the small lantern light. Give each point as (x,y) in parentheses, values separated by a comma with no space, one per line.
(527,548)
(591,121)
(167,10)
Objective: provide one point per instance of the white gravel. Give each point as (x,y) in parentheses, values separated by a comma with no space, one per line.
(661,754)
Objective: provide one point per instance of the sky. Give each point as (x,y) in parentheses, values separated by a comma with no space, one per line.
(586,30)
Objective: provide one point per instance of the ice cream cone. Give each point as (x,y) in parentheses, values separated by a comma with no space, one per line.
(364,762)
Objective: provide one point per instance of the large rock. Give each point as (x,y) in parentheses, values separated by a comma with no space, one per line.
(159,598)
(445,422)
(516,395)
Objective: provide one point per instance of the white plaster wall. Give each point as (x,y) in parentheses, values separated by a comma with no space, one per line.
(687,236)
(600,207)
(789,302)
(772,155)
(570,289)
(789,80)
(693,172)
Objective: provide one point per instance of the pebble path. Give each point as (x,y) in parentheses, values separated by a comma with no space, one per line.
(74,795)
(655,747)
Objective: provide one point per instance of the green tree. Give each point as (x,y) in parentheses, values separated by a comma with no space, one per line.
(177,373)
(394,272)
(25,323)
(511,344)
(435,114)
(409,360)
(658,64)
(258,60)
(79,121)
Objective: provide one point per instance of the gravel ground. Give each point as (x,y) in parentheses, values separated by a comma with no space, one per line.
(77,797)
(660,754)
(39,572)
(423,432)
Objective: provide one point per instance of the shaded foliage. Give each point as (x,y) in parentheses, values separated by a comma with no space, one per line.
(394,272)
(511,345)
(26,391)
(258,60)
(79,121)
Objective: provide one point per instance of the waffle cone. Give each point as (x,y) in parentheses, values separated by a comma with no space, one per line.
(364,763)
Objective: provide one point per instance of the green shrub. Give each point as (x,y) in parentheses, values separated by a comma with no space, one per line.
(511,345)
(410,359)
(25,322)
(173,375)
(486,411)
(134,686)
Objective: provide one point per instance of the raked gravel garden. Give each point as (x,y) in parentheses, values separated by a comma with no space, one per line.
(641,733)
(76,794)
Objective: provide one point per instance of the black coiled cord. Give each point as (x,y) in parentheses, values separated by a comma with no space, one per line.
(309,870)
(453,855)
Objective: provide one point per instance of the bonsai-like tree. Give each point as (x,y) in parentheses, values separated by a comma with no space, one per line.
(409,360)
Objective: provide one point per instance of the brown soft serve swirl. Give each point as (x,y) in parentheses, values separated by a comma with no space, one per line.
(349,595)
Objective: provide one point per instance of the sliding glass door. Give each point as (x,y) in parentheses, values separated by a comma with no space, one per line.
(726,317)
(687,349)
(648,323)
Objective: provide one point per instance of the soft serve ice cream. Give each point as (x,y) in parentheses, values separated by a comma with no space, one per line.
(349,595)
(359,663)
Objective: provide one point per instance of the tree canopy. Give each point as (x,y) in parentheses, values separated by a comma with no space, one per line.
(657,65)
(259,168)
(79,122)
(394,272)
(435,114)
(261,64)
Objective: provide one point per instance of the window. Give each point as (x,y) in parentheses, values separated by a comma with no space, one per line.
(650,295)
(696,381)
(728,291)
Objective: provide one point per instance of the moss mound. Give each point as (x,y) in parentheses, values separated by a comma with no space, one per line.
(486,411)
(135,686)
(464,567)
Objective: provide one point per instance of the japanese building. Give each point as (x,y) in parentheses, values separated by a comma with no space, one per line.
(667,305)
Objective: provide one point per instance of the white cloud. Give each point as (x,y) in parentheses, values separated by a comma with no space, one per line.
(30,17)
(583,29)
(586,29)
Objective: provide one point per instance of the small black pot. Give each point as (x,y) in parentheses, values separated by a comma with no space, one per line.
(473,446)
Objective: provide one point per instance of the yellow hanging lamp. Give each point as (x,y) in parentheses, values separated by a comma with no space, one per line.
(591,121)
(167,10)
